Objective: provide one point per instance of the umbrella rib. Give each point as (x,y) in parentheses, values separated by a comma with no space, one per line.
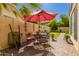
(30,18)
(39,21)
(48,14)
(44,16)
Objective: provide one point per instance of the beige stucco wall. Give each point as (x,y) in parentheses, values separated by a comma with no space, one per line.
(4,29)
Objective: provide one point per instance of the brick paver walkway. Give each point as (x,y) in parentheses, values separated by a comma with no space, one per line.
(62,48)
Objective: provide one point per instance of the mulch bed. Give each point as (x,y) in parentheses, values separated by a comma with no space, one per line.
(29,51)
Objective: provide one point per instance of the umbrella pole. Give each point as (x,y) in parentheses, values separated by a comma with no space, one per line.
(39,26)
(33,27)
(19,43)
(39,23)
(25,27)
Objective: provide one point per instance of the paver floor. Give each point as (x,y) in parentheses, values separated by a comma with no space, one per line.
(62,48)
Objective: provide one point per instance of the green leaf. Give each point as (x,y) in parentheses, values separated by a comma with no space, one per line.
(16,13)
(5,6)
(25,11)
(64,20)
(34,5)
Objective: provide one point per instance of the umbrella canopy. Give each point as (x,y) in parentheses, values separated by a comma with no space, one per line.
(40,16)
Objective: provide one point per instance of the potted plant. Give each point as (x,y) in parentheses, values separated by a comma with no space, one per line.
(52,37)
(67,37)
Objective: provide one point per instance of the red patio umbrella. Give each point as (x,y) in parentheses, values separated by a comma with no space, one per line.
(39,16)
(42,16)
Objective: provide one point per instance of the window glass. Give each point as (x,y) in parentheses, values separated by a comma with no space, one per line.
(74,23)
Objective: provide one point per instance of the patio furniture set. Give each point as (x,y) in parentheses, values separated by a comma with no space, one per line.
(38,39)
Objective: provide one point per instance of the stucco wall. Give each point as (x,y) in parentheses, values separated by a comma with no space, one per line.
(4,29)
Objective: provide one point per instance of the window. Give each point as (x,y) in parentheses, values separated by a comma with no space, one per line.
(74,23)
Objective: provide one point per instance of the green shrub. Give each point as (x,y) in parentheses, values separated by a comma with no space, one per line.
(66,32)
(52,36)
(67,36)
(68,40)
